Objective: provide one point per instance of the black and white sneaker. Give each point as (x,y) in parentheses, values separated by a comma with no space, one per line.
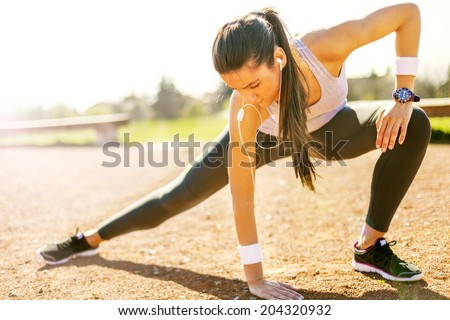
(75,246)
(379,258)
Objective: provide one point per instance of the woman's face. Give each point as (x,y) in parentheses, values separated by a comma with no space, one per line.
(259,85)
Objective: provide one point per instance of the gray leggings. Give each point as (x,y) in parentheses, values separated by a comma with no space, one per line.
(351,133)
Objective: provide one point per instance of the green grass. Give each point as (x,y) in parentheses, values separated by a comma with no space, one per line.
(203,128)
(60,137)
(440,123)
(440,129)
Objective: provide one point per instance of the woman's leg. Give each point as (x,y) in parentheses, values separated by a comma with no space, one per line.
(394,172)
(196,183)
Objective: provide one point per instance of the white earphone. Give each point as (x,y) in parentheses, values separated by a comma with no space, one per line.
(280,63)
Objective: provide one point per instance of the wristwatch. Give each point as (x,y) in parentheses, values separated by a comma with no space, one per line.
(403,95)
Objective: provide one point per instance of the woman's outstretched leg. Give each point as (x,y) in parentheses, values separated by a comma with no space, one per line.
(197,182)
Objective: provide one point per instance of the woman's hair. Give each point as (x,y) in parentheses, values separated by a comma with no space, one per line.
(252,39)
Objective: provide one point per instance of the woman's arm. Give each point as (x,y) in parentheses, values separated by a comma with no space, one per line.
(338,42)
(334,45)
(241,173)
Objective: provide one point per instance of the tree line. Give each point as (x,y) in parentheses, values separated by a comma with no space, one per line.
(170,103)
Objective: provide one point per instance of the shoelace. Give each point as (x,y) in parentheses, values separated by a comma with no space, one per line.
(71,242)
(385,254)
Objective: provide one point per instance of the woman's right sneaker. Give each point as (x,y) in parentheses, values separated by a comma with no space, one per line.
(75,246)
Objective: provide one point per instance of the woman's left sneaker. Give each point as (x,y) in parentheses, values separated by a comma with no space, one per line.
(379,258)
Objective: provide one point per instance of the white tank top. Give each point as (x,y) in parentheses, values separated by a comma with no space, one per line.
(333,98)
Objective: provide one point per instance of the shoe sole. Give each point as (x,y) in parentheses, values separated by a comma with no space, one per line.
(368,268)
(87,253)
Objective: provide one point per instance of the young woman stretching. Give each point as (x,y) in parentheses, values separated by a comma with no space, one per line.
(294,89)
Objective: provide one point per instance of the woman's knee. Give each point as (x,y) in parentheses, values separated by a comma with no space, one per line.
(176,195)
(419,127)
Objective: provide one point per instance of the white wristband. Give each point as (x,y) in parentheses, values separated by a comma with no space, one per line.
(250,254)
(406,66)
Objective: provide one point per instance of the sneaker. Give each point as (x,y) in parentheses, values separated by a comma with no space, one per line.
(379,258)
(75,246)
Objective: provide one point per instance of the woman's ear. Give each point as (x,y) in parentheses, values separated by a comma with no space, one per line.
(279,54)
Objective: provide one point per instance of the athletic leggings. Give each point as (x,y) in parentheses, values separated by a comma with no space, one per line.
(352,132)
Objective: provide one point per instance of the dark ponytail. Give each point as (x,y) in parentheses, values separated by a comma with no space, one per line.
(253,38)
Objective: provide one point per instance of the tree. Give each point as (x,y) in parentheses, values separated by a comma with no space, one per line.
(169,102)
(33,113)
(62,111)
(100,108)
(444,90)
(376,87)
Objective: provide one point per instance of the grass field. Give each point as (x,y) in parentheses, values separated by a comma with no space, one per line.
(440,129)
(203,128)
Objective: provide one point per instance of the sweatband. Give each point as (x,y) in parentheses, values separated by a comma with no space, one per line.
(406,66)
(250,254)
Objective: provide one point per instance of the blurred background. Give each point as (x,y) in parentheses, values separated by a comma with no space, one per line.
(151,61)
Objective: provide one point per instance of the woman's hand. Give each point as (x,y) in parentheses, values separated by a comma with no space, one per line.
(272,290)
(393,119)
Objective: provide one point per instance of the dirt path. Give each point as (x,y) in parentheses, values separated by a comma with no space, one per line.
(46,193)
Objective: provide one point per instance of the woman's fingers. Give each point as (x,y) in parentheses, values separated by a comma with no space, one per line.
(290,295)
(386,134)
(286,294)
(404,128)
(275,290)
(380,118)
(392,124)
(288,286)
(281,293)
(292,290)
(394,134)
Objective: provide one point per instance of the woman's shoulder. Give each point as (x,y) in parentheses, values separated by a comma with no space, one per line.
(323,45)
(309,38)
(318,41)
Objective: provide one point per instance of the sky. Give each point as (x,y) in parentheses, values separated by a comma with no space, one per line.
(79,53)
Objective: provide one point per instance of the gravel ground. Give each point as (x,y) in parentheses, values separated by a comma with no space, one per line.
(46,193)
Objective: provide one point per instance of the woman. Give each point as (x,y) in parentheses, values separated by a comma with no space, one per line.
(294,89)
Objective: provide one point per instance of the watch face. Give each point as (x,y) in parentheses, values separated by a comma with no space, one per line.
(403,94)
